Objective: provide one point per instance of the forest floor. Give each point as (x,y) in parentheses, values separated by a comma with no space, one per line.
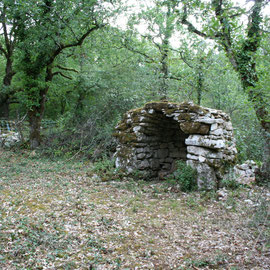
(58,215)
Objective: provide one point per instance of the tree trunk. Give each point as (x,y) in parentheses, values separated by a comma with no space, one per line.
(35,125)
(265,170)
(35,115)
(4,107)
(164,72)
(200,80)
(200,87)
(4,98)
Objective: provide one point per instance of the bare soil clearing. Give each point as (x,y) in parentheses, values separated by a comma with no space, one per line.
(55,215)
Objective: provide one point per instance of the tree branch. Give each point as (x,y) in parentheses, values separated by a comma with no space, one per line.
(130,48)
(76,43)
(67,69)
(61,74)
(190,26)
(175,78)
(3,51)
(225,37)
(7,41)
(253,32)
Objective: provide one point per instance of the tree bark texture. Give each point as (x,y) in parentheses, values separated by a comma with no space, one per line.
(5,97)
(35,116)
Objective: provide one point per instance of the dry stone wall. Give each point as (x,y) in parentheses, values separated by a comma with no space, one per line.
(151,139)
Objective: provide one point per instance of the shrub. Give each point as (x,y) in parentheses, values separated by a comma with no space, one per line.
(230,183)
(105,170)
(184,176)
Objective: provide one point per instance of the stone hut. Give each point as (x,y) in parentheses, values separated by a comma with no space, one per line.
(151,139)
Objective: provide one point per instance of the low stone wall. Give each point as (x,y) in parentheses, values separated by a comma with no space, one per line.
(152,138)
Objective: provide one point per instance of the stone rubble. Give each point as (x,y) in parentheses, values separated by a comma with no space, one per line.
(151,139)
(245,173)
(9,139)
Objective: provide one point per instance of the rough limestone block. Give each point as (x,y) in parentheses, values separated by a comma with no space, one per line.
(139,150)
(199,140)
(154,164)
(162,153)
(206,120)
(141,156)
(245,173)
(193,157)
(164,145)
(217,132)
(143,164)
(194,128)
(206,175)
(228,126)
(149,155)
(205,152)
(214,127)
(202,159)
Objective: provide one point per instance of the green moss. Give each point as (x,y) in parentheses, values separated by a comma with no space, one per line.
(193,108)
(169,111)
(124,152)
(136,110)
(194,128)
(136,119)
(126,138)
(122,126)
(157,106)
(184,116)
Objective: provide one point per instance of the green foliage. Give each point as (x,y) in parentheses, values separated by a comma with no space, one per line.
(249,139)
(230,183)
(105,170)
(184,176)
(104,165)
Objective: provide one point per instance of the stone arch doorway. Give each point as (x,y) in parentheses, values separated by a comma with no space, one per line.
(162,143)
(152,138)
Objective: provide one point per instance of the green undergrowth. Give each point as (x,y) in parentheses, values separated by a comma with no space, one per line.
(184,176)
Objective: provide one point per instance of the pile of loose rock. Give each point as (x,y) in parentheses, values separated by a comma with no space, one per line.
(151,139)
(9,139)
(245,173)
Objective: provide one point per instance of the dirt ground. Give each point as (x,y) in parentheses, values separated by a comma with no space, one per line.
(59,215)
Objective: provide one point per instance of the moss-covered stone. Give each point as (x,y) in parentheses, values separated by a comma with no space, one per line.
(194,128)
(190,107)
(185,116)
(126,138)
